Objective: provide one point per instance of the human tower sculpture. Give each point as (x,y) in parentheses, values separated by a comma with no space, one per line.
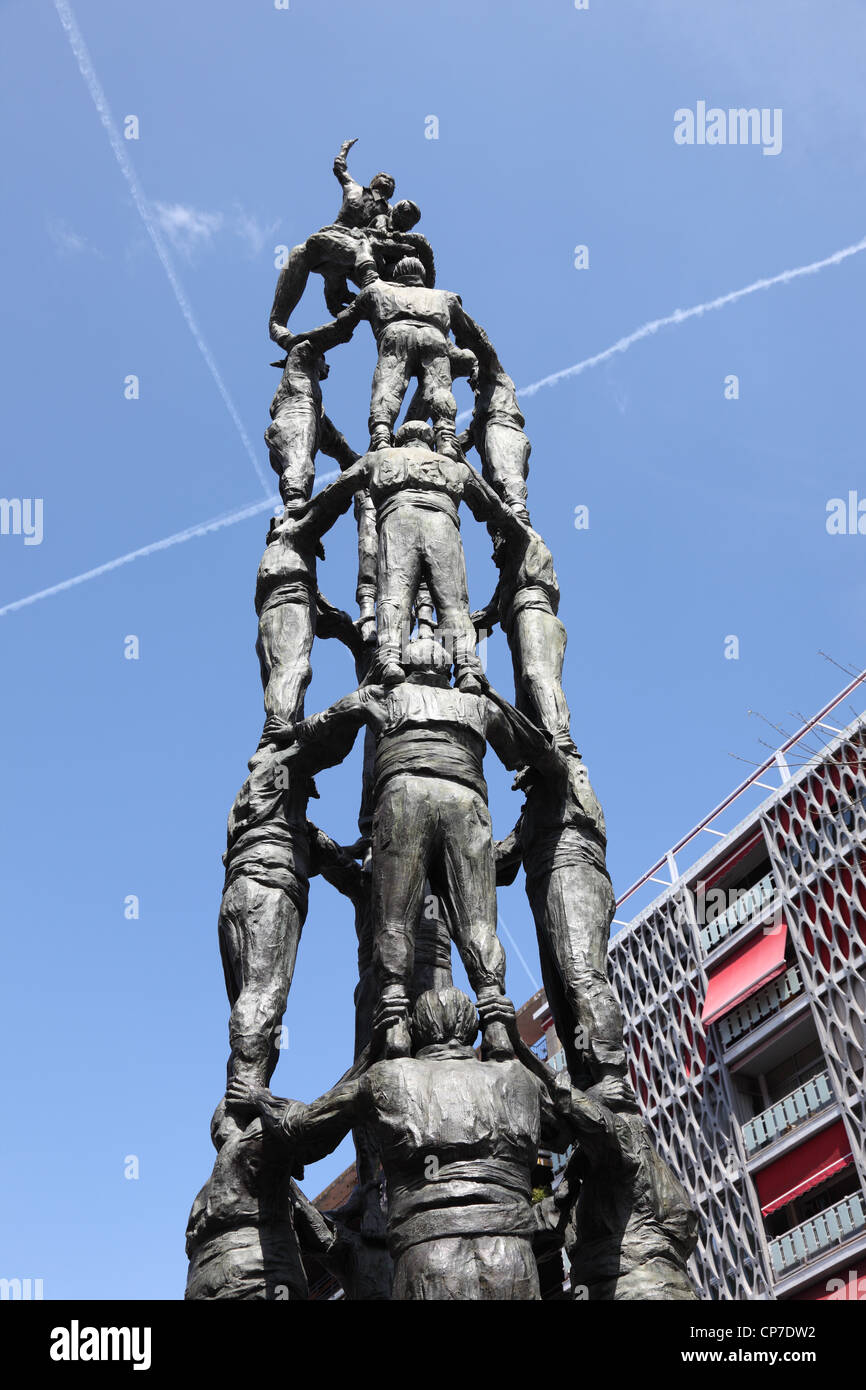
(446,1135)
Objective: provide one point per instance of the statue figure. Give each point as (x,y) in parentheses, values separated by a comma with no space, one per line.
(458,1138)
(411,324)
(455,1134)
(287,601)
(362,207)
(299,426)
(560,839)
(497,428)
(415,494)
(629,1225)
(525,604)
(264,902)
(241,1240)
(367,236)
(430,821)
(431,970)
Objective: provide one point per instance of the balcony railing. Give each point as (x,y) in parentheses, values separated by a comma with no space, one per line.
(742,910)
(831,1227)
(809,1099)
(764,1004)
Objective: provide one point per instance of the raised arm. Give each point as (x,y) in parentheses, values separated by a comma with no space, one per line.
(339,330)
(326,506)
(508,854)
(486,505)
(282,306)
(588,1121)
(311,1131)
(341,172)
(516,740)
(335,445)
(336,865)
(468,333)
(324,739)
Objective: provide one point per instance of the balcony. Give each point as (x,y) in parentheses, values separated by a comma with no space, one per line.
(768,1001)
(779,1119)
(831,1227)
(746,907)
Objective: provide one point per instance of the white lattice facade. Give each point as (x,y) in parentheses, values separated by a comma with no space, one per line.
(744,991)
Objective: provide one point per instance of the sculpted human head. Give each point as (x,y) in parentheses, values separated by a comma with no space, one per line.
(443,1015)
(415,433)
(404,215)
(382,185)
(426,662)
(409,271)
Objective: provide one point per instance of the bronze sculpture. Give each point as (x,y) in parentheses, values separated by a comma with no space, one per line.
(452,1133)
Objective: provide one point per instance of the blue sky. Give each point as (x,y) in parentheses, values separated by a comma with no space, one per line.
(707,515)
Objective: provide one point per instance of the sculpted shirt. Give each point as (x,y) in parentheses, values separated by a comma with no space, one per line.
(385,303)
(415,477)
(563,822)
(457,1136)
(433,732)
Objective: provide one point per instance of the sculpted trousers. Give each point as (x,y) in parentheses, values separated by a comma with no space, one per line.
(505,456)
(334,252)
(464,1268)
(416,543)
(293,441)
(284,644)
(409,350)
(537,641)
(573,907)
(259,931)
(431,827)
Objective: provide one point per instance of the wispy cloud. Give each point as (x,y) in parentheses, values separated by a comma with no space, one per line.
(145,212)
(187,228)
(192,229)
(69,242)
(251,230)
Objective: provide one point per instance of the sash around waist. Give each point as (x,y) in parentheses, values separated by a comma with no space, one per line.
(426,499)
(429,754)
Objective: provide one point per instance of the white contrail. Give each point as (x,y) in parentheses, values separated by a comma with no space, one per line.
(622,345)
(79,49)
(201,528)
(680,315)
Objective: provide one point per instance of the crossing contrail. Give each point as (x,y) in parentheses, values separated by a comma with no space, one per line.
(82,57)
(680,315)
(622,345)
(201,528)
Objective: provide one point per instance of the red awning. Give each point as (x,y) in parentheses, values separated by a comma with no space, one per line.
(753,965)
(803,1168)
